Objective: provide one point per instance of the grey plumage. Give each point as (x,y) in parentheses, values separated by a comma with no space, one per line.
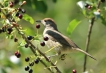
(57,38)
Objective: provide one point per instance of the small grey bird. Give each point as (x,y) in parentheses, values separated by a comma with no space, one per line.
(56,38)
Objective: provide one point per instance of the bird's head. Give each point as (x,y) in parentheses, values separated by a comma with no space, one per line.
(48,23)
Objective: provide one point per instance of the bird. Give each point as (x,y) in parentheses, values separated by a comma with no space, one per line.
(55,37)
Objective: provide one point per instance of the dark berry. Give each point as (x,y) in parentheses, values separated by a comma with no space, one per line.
(27,59)
(17,14)
(37,26)
(15,39)
(20,16)
(30,71)
(89,7)
(102,0)
(36,61)
(1,30)
(17,54)
(11,4)
(86,5)
(19,9)
(26,45)
(26,68)
(74,71)
(8,32)
(31,63)
(23,10)
(10,29)
(29,37)
(46,38)
(42,43)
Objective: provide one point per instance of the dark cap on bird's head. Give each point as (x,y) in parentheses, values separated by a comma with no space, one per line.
(48,22)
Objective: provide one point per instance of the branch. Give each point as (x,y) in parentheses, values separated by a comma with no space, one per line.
(33,49)
(88,38)
(88,41)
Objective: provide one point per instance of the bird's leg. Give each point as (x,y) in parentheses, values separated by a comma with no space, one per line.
(52,55)
(51,48)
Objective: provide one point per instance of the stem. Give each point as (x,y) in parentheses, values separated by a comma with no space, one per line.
(88,38)
(87,42)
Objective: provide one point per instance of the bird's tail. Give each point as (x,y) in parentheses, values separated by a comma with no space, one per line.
(85,53)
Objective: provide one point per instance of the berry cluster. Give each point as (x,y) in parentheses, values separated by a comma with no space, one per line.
(6,28)
(18,14)
(18,10)
(44,38)
(29,68)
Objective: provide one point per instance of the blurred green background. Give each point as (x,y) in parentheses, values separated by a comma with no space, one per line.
(62,11)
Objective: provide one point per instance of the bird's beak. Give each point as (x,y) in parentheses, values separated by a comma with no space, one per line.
(39,21)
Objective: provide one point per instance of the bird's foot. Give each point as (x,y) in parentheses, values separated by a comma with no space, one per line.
(63,57)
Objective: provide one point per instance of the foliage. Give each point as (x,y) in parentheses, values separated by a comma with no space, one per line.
(16,34)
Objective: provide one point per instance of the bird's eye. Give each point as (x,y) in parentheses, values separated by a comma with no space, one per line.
(45,20)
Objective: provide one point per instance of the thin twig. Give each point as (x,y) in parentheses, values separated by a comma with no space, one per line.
(88,41)
(88,38)
(98,4)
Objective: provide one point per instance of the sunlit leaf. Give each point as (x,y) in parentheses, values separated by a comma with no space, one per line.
(81,4)
(28,18)
(72,26)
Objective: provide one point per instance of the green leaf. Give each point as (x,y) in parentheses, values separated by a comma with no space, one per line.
(28,2)
(28,18)
(103,20)
(2,70)
(84,12)
(72,26)
(54,1)
(41,6)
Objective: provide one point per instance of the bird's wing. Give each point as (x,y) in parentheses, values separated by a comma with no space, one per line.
(58,37)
